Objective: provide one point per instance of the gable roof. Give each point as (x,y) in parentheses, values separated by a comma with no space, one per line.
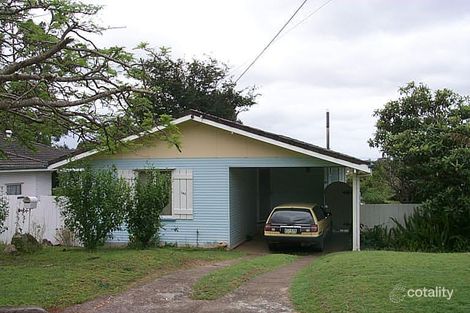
(20,157)
(251,132)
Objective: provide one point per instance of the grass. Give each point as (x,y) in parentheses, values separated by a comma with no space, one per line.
(57,277)
(363,282)
(218,283)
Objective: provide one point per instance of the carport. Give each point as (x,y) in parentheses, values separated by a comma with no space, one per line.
(254,191)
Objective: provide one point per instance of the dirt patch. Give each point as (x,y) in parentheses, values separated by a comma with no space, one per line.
(171,293)
(168,293)
(268,292)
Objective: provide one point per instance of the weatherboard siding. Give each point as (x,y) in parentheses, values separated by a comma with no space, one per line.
(210,223)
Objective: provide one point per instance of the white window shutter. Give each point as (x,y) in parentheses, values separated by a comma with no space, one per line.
(128,175)
(182,191)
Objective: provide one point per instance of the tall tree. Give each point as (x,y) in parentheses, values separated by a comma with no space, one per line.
(204,85)
(426,135)
(55,80)
(379,186)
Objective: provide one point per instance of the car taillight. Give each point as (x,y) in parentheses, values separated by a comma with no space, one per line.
(268,227)
(313,228)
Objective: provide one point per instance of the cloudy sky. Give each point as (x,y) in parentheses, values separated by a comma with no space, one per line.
(350,57)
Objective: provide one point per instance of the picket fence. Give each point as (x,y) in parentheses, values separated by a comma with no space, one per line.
(42,222)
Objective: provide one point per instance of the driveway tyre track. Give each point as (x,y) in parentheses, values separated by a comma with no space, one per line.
(171,293)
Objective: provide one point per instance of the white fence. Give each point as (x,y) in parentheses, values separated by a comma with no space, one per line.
(42,222)
(381,214)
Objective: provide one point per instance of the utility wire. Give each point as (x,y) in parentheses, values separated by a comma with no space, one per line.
(272,40)
(306,18)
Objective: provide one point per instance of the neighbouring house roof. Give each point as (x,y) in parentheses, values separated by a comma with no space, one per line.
(251,132)
(19,157)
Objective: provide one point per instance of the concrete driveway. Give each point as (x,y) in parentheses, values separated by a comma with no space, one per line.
(334,243)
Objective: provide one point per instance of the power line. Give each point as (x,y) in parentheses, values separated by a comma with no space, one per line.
(307,17)
(272,40)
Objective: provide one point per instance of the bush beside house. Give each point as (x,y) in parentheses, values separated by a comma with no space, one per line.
(93,203)
(151,195)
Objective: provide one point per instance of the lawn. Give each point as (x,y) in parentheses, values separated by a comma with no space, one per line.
(57,277)
(218,283)
(368,282)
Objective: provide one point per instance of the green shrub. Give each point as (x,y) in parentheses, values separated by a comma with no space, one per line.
(377,237)
(93,203)
(3,213)
(152,192)
(427,229)
(430,229)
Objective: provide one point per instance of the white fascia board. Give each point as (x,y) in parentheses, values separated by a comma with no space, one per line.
(361,167)
(27,170)
(126,139)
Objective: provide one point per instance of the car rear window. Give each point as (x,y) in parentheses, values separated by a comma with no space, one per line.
(291,216)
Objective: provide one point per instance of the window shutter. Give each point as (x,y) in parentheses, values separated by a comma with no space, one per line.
(182,192)
(128,175)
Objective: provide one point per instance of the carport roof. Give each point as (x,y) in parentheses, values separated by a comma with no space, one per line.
(255,133)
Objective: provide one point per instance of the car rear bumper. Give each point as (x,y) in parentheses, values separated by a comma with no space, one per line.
(294,239)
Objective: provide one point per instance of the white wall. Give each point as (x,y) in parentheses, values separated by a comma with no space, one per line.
(46,215)
(33,183)
(381,214)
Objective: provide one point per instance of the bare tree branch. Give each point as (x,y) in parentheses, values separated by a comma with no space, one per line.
(38,102)
(12,68)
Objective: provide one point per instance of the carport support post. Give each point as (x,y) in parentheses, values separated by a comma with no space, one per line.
(356,207)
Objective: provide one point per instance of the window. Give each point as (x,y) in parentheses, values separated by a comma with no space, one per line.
(13,189)
(319,213)
(291,217)
(181,200)
(143,177)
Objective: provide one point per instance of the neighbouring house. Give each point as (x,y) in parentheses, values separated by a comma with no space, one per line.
(25,171)
(228,176)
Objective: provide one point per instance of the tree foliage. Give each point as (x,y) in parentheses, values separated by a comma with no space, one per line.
(203,85)
(151,195)
(377,187)
(426,135)
(55,80)
(93,203)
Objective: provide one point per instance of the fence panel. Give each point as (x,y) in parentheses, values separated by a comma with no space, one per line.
(41,222)
(381,214)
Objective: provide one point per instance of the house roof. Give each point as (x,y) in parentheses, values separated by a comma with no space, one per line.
(280,138)
(244,130)
(19,157)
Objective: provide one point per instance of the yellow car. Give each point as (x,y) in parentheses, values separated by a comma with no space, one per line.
(302,223)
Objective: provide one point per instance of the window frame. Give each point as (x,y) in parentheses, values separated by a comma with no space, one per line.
(14,184)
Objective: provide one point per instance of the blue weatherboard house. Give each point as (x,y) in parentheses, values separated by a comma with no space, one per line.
(228,176)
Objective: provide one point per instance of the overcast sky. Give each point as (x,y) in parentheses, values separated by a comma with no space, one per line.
(350,57)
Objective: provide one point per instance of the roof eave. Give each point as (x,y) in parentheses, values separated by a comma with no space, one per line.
(202,118)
